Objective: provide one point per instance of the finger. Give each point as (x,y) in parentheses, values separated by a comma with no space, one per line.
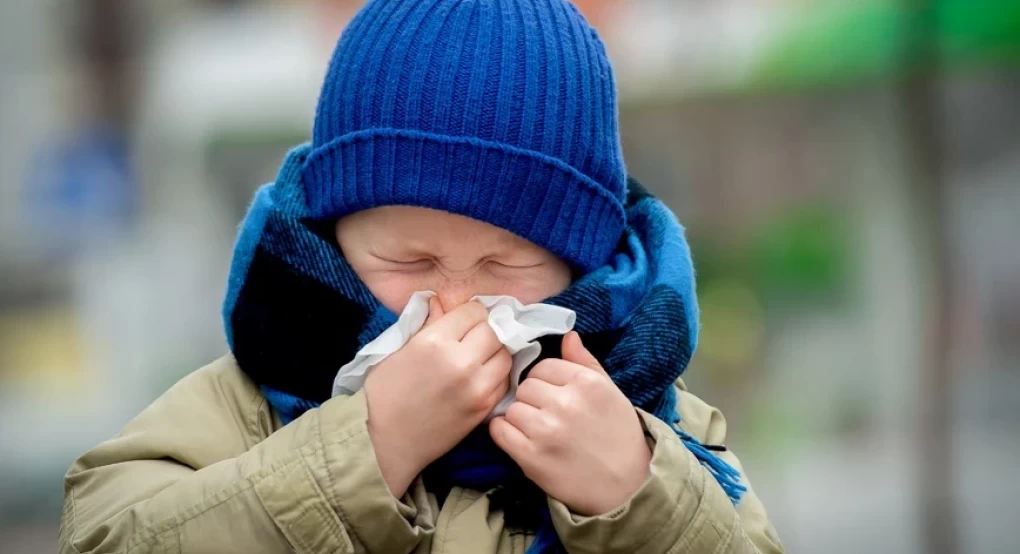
(537,392)
(481,342)
(510,439)
(435,311)
(525,417)
(555,372)
(457,323)
(498,393)
(496,371)
(574,351)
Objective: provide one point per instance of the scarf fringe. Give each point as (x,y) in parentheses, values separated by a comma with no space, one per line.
(726,475)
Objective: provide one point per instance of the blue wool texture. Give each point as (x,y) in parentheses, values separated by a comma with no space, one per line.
(500,110)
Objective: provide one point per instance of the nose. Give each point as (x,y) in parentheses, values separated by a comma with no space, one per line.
(455,293)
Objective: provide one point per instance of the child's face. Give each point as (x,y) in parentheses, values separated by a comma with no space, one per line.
(399,250)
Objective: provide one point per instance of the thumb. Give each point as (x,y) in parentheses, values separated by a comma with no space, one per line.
(435,311)
(574,351)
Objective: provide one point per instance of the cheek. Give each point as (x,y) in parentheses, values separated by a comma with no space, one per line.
(534,287)
(394,289)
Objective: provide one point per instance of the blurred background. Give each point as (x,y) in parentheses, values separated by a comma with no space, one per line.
(849,173)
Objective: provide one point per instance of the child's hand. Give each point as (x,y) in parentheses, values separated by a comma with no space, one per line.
(426,397)
(575,434)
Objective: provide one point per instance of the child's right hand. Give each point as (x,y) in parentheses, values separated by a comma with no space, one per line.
(427,396)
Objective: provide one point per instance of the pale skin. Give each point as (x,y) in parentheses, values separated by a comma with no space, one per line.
(570,426)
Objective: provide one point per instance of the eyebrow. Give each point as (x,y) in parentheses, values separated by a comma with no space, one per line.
(503,249)
(389,247)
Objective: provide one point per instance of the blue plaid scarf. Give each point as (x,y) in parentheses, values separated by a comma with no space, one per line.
(295,312)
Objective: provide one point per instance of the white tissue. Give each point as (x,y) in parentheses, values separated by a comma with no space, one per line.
(516,325)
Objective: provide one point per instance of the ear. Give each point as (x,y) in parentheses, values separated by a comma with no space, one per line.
(575,352)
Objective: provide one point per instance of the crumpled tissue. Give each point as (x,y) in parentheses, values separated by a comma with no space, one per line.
(517,326)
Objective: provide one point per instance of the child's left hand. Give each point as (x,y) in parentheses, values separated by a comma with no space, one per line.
(575,434)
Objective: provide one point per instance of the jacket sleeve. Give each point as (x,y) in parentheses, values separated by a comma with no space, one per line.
(200,471)
(680,507)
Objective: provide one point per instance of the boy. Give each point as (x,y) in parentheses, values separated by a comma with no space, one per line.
(467,147)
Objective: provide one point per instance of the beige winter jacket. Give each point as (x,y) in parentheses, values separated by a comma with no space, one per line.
(208,468)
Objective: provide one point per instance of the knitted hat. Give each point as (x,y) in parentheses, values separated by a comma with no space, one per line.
(500,110)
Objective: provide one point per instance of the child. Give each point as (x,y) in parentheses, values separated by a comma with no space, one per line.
(467,147)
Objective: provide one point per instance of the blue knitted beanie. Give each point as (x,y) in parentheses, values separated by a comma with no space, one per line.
(500,110)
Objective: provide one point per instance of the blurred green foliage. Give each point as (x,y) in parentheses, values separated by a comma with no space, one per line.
(854,41)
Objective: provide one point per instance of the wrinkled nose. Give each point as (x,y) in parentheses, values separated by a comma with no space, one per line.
(455,293)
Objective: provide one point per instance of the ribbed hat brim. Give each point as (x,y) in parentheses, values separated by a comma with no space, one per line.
(536,196)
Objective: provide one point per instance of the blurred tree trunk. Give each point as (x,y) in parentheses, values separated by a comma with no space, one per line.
(106,39)
(924,127)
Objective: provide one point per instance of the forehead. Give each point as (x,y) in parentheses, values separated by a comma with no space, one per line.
(415,228)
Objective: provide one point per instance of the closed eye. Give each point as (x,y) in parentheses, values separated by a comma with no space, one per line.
(420,262)
(516,266)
